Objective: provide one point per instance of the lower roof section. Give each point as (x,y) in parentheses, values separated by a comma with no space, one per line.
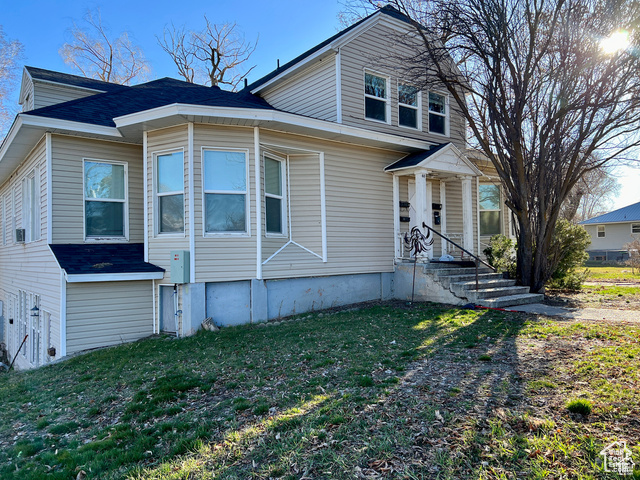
(103,262)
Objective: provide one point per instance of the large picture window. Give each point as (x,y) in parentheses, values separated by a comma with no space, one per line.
(170,192)
(489,209)
(437,113)
(225,191)
(105,197)
(376,97)
(408,106)
(274,193)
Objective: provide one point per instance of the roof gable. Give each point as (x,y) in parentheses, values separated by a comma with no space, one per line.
(332,42)
(630,213)
(439,158)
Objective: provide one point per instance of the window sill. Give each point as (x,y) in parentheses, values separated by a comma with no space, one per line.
(444,135)
(170,235)
(226,235)
(276,235)
(414,129)
(106,240)
(377,121)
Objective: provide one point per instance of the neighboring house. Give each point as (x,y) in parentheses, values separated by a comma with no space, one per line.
(126,211)
(611,231)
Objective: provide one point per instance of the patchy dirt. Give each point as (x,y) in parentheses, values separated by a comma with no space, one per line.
(598,297)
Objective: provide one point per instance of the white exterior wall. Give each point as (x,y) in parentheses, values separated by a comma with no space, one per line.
(616,236)
(107,313)
(29,267)
(311,92)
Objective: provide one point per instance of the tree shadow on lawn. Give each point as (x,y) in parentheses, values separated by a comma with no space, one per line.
(382,387)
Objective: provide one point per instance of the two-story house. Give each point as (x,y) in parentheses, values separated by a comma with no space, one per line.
(130,210)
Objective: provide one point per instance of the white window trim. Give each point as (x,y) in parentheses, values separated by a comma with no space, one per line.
(108,239)
(446,114)
(247,207)
(31,206)
(499,210)
(417,108)
(636,225)
(284,176)
(4,219)
(156,204)
(386,100)
(604,233)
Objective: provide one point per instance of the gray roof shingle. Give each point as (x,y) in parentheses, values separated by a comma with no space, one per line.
(73,80)
(415,158)
(97,258)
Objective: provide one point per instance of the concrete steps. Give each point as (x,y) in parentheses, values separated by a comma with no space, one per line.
(494,291)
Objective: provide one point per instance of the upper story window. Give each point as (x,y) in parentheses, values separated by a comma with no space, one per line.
(105,199)
(31,207)
(376,97)
(169,191)
(437,113)
(409,106)
(225,191)
(489,209)
(274,192)
(601,233)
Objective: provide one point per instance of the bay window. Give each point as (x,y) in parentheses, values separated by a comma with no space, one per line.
(274,192)
(225,191)
(170,192)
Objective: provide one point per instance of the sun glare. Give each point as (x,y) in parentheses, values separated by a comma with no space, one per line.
(615,42)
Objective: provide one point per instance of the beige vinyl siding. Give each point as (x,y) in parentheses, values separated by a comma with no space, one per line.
(68,154)
(359,205)
(615,238)
(371,51)
(45,94)
(30,266)
(107,313)
(312,92)
(222,257)
(160,245)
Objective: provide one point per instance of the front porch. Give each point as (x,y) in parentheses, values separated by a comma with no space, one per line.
(437,188)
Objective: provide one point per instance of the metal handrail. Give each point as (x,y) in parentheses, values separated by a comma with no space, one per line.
(478,259)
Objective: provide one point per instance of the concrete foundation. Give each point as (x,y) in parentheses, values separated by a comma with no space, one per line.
(427,288)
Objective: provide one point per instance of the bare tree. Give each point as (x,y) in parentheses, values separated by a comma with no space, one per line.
(10,54)
(96,54)
(212,56)
(591,196)
(540,92)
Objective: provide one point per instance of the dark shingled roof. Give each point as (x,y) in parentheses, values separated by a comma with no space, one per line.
(102,108)
(630,213)
(415,158)
(82,259)
(73,80)
(387,10)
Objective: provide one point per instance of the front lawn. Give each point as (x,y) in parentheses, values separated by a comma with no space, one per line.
(613,274)
(382,391)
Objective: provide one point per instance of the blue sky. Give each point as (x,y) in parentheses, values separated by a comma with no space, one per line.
(285,29)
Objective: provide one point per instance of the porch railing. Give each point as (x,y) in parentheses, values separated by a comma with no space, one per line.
(477,259)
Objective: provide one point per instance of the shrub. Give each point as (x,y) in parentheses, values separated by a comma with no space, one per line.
(580,406)
(570,242)
(501,254)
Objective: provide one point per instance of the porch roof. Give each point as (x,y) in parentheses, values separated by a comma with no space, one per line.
(445,158)
(100,260)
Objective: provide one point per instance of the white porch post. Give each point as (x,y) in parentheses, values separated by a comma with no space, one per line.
(421,201)
(443,214)
(467,214)
(428,213)
(396,215)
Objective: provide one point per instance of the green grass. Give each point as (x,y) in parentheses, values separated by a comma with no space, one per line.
(621,274)
(323,398)
(580,405)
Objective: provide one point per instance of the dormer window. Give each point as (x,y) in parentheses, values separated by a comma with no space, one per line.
(376,97)
(437,113)
(408,106)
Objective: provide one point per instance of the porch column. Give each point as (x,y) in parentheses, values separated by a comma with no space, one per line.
(467,214)
(396,215)
(421,202)
(428,213)
(443,214)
